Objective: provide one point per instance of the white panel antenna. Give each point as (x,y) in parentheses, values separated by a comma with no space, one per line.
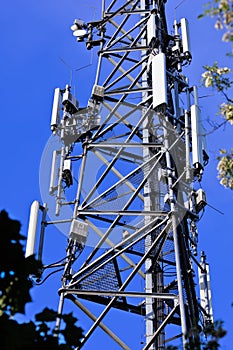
(32,229)
(53,173)
(185,35)
(55,118)
(197,143)
(150,28)
(159,81)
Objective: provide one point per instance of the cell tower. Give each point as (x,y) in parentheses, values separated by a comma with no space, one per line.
(125,175)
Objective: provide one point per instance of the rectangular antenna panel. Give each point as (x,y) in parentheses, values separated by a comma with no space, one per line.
(53,172)
(195,95)
(32,228)
(185,35)
(55,118)
(151,29)
(159,81)
(197,136)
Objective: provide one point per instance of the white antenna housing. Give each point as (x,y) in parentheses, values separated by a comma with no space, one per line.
(32,228)
(53,173)
(79,231)
(98,92)
(56,109)
(70,101)
(67,172)
(185,35)
(200,200)
(67,165)
(151,28)
(199,145)
(196,136)
(159,81)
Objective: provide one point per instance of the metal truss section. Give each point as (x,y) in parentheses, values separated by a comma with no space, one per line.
(122,178)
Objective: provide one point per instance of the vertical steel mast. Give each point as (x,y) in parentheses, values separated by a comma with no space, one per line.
(125,174)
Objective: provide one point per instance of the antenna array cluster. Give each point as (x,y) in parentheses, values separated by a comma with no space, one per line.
(129,166)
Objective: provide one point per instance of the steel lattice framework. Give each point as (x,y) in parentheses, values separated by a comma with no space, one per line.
(138,153)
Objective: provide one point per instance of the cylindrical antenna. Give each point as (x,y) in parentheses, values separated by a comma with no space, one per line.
(196,137)
(185,35)
(159,82)
(31,239)
(56,110)
(195,95)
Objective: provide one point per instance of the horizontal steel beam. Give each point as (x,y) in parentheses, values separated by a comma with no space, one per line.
(122,212)
(125,145)
(163,296)
(134,12)
(124,49)
(126,90)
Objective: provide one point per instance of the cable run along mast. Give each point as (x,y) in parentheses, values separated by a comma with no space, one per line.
(124,179)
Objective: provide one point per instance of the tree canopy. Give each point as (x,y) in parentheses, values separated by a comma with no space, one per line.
(15,286)
(220,79)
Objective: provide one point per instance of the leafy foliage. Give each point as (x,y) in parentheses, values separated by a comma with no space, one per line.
(225,168)
(210,338)
(218,78)
(15,286)
(222,11)
(14,268)
(215,76)
(214,332)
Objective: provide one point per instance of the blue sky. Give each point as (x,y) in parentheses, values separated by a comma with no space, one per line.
(36,40)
